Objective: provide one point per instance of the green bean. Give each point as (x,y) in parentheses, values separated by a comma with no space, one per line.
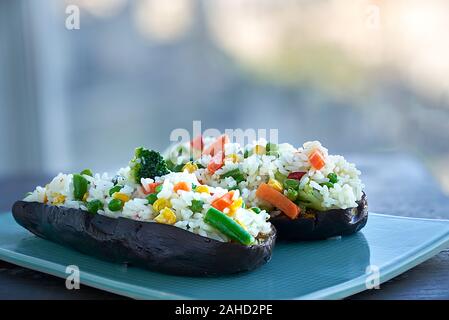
(332,177)
(271,147)
(280,177)
(80,185)
(327,184)
(87,172)
(235,173)
(256,210)
(228,226)
(114,190)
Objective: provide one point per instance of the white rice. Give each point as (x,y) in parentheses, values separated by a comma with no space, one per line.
(138,208)
(259,169)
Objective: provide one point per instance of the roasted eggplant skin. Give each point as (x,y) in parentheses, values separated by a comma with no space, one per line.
(322,224)
(158,247)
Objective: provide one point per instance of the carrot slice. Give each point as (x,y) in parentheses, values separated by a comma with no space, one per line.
(216,163)
(181,186)
(223,202)
(217,146)
(316,159)
(277,199)
(150,188)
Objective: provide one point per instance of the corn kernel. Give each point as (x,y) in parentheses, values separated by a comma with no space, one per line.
(58,199)
(121,196)
(161,204)
(237,204)
(202,189)
(86,195)
(190,167)
(233,157)
(167,216)
(260,150)
(275,184)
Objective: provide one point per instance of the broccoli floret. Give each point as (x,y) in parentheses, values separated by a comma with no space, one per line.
(147,164)
(311,198)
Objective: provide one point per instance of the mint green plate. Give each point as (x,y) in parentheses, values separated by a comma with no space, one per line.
(329,269)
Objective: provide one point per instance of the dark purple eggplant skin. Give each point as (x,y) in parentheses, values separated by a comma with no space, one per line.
(157,247)
(325,224)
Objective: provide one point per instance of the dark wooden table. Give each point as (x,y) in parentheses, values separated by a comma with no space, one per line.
(395,184)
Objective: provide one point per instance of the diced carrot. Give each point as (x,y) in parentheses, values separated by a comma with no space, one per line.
(217,146)
(277,199)
(316,159)
(197,143)
(150,187)
(215,163)
(181,186)
(223,202)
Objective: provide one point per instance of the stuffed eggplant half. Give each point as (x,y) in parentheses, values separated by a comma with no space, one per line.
(150,217)
(309,194)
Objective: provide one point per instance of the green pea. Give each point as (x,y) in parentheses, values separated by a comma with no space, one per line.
(194,186)
(152,198)
(80,185)
(292,194)
(87,172)
(291,184)
(197,206)
(256,210)
(114,190)
(332,177)
(158,188)
(94,205)
(115,205)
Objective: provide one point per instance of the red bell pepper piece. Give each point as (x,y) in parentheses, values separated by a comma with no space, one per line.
(296,175)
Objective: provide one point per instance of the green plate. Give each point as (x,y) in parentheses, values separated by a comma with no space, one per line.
(329,269)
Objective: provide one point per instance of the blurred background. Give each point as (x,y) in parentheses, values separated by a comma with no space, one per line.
(364,77)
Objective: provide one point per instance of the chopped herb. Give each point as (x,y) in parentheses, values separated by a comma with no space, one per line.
(197,206)
(152,198)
